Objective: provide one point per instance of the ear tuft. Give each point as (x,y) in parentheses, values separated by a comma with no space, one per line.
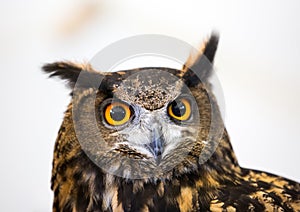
(64,70)
(211,47)
(71,71)
(199,68)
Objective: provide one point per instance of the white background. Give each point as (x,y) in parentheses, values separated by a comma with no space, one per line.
(257,63)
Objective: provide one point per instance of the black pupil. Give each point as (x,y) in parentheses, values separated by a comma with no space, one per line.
(178,108)
(117,113)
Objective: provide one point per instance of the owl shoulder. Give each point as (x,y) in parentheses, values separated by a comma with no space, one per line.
(258,191)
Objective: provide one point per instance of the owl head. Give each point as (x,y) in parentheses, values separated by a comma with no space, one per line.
(148,122)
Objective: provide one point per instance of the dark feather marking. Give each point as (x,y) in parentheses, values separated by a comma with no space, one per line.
(238,196)
(263,185)
(67,207)
(56,202)
(83,197)
(278,201)
(125,195)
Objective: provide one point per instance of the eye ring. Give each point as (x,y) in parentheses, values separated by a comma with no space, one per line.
(117,113)
(180,109)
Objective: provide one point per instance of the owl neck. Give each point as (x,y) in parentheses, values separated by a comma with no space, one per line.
(222,166)
(224,156)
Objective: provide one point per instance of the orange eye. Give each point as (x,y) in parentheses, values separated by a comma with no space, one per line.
(180,109)
(117,113)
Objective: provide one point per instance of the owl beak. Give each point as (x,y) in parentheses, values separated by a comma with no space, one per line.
(156,145)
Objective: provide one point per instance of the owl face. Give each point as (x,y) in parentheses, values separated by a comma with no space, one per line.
(150,120)
(141,123)
(153,113)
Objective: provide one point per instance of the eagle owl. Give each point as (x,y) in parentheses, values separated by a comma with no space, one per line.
(152,139)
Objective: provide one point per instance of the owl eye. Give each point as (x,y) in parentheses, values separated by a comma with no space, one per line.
(180,109)
(117,113)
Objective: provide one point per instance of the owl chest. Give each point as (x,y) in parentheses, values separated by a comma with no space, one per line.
(159,197)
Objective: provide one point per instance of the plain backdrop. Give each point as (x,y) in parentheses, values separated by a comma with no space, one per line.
(257,64)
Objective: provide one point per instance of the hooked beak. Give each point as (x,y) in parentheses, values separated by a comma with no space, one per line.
(156,144)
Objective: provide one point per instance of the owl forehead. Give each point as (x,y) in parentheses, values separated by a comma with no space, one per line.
(150,88)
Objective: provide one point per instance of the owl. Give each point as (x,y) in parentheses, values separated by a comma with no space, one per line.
(153,139)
